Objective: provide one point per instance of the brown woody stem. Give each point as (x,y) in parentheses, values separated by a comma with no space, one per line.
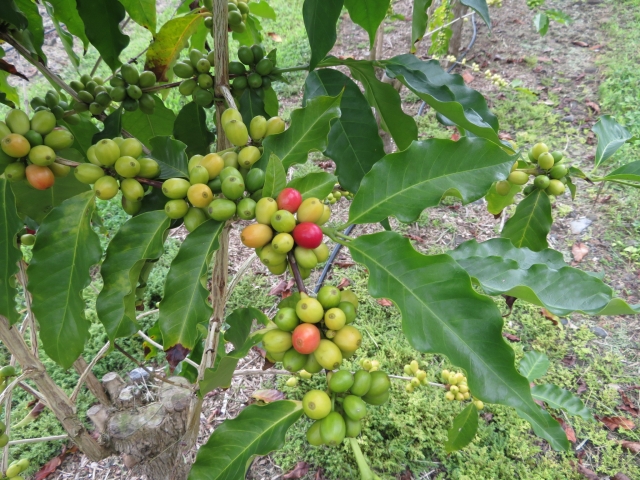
(296,273)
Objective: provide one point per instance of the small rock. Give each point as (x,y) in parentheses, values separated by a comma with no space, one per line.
(568,118)
(138,375)
(600,332)
(578,226)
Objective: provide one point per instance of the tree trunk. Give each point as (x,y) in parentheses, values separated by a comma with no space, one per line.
(455,43)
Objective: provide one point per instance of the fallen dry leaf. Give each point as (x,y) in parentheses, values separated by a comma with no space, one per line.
(617,422)
(593,106)
(51,466)
(343,264)
(299,471)
(582,386)
(511,337)
(568,429)
(569,361)
(596,47)
(416,238)
(467,77)
(589,474)
(274,36)
(578,43)
(384,302)
(628,405)
(633,447)
(549,316)
(510,301)
(344,283)
(579,250)
(281,287)
(620,476)
(406,475)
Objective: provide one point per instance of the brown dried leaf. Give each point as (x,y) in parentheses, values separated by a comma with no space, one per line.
(511,337)
(568,429)
(343,264)
(569,361)
(175,355)
(299,471)
(582,386)
(268,395)
(593,106)
(467,77)
(628,405)
(578,43)
(549,316)
(275,37)
(589,474)
(384,302)
(281,287)
(617,422)
(579,250)
(7,67)
(344,283)
(51,466)
(320,474)
(406,475)
(416,238)
(633,447)
(510,301)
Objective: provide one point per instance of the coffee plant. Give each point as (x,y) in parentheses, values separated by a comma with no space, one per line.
(116,135)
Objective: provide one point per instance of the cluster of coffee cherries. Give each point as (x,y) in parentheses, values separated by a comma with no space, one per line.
(198,81)
(236,18)
(336,195)
(55,104)
(6,373)
(117,164)
(260,69)
(548,169)
(340,415)
(457,388)
(29,146)
(127,86)
(369,365)
(419,376)
(315,333)
(15,468)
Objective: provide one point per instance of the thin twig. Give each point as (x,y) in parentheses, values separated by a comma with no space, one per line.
(7,391)
(33,334)
(257,371)
(7,421)
(146,314)
(87,371)
(226,93)
(52,438)
(95,66)
(29,389)
(157,345)
(241,271)
(408,379)
(296,273)
(164,86)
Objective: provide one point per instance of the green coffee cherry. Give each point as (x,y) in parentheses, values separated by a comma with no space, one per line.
(105,188)
(87,173)
(175,209)
(221,209)
(130,74)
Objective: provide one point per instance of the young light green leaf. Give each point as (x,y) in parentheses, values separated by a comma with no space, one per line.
(36,204)
(541,22)
(8,93)
(66,12)
(171,156)
(66,249)
(541,278)
(275,178)
(258,430)
(562,399)
(611,136)
(419,21)
(447,94)
(143,12)
(167,44)
(185,304)
(140,239)
(384,98)
(629,172)
(308,131)
(144,127)
(36,29)
(496,202)
(317,184)
(531,222)
(439,306)
(191,128)
(10,254)
(271,103)
(464,428)
(403,184)
(65,37)
(354,142)
(101,20)
(534,365)
(321,20)
(369,14)
(262,9)
(481,8)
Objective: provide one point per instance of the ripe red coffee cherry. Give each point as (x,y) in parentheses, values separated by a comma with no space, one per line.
(307,235)
(40,177)
(289,199)
(306,338)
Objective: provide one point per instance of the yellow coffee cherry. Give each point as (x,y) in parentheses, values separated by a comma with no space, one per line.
(292,382)
(459,397)
(304,374)
(415,382)
(421,375)
(466,395)
(479,404)
(453,389)
(366,364)
(414,366)
(450,396)
(409,388)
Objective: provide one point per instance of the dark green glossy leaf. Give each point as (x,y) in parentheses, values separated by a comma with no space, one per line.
(240,322)
(275,178)
(167,44)
(191,128)
(561,399)
(541,278)
(10,12)
(30,10)
(66,12)
(403,184)
(321,20)
(199,38)
(251,105)
(101,20)
(171,156)
(496,202)
(83,133)
(66,249)
(271,103)
(219,376)
(419,21)
(443,314)
(534,365)
(65,37)
(8,93)
(185,303)
(262,9)
(143,12)
(144,127)
(317,185)
(480,6)
(251,34)
(308,131)
(36,204)
(368,14)
(531,222)
(258,430)
(10,254)
(464,428)
(611,136)
(138,240)
(354,143)
(630,172)
(445,93)
(384,98)
(112,126)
